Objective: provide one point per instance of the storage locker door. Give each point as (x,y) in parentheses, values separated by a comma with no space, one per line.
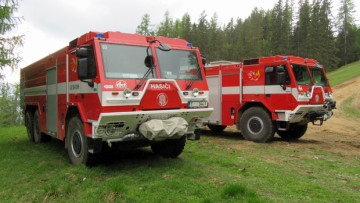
(214,83)
(51,102)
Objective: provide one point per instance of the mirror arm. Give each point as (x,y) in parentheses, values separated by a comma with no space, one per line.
(90,83)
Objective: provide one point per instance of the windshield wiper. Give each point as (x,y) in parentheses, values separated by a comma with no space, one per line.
(189,85)
(149,61)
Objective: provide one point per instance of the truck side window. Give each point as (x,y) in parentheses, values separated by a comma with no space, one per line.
(271,75)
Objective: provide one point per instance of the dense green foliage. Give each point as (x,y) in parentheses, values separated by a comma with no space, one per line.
(10,112)
(9,94)
(307,30)
(8,57)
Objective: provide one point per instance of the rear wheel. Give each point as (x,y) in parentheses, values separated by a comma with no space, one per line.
(29,120)
(295,132)
(76,142)
(216,128)
(169,148)
(256,125)
(36,127)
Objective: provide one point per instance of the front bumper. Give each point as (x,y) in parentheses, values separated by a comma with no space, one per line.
(305,112)
(123,126)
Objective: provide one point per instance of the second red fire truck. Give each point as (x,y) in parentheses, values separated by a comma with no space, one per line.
(119,89)
(270,94)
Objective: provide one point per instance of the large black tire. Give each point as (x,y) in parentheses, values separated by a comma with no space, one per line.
(295,132)
(36,128)
(169,148)
(29,120)
(216,128)
(256,125)
(77,145)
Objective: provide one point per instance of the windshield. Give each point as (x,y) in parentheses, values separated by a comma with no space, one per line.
(301,74)
(124,61)
(318,76)
(179,64)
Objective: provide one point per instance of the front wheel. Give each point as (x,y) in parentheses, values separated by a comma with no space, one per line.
(169,148)
(256,125)
(76,142)
(295,132)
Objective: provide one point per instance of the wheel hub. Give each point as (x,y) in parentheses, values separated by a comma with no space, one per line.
(255,125)
(76,143)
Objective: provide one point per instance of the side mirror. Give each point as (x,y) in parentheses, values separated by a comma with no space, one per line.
(83,70)
(164,47)
(149,61)
(281,78)
(203,60)
(82,52)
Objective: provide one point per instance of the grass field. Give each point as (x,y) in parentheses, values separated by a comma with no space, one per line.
(214,169)
(344,73)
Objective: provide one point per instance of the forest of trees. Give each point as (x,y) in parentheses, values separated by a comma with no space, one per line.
(305,29)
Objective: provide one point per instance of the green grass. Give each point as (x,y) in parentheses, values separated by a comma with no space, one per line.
(344,73)
(214,169)
(351,107)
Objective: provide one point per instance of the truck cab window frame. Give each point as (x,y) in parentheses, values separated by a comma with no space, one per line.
(271,75)
(179,65)
(125,61)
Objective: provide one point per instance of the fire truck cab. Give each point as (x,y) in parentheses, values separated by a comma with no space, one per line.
(118,89)
(268,94)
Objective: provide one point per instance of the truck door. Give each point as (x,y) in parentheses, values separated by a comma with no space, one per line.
(51,102)
(277,86)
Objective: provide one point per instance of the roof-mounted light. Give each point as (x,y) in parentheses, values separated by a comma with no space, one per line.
(100,35)
(285,58)
(189,44)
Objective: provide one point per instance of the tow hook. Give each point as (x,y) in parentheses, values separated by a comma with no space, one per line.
(320,124)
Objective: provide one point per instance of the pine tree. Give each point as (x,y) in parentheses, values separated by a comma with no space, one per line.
(145,28)
(253,33)
(166,26)
(346,32)
(202,33)
(228,48)
(186,27)
(214,41)
(8,56)
(302,30)
(327,44)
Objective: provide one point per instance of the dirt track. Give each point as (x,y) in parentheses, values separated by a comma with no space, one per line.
(340,134)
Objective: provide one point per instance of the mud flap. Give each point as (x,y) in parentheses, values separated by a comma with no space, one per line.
(159,130)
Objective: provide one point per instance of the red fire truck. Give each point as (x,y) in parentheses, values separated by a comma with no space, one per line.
(116,88)
(268,94)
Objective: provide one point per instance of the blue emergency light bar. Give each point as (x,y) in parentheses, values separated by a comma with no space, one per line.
(101,35)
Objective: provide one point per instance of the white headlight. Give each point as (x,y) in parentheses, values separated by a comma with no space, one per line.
(195,92)
(127,93)
(308,94)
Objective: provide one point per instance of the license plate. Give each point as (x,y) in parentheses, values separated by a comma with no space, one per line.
(197,104)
